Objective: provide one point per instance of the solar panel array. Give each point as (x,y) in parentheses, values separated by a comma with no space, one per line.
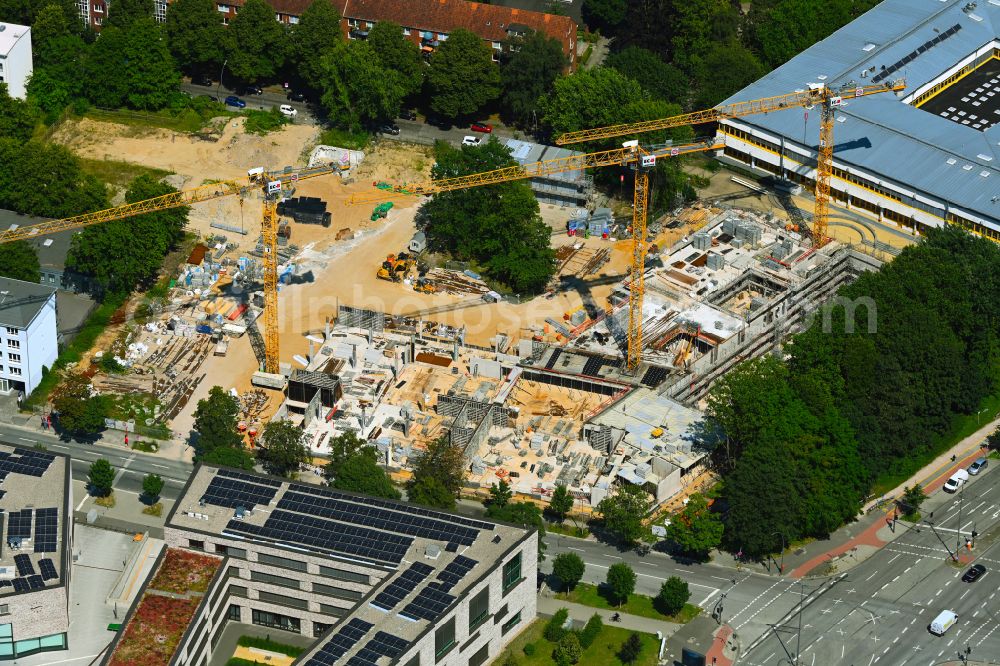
(326,536)
(21,585)
(902,62)
(249,478)
(402,585)
(27,462)
(24,565)
(19,524)
(455,572)
(340,643)
(434,599)
(35,582)
(654,376)
(231,491)
(48,569)
(551,363)
(381,645)
(399,521)
(46,524)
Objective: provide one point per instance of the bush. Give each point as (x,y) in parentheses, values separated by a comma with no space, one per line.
(568,651)
(590,632)
(674,593)
(262,122)
(554,629)
(269,645)
(529,649)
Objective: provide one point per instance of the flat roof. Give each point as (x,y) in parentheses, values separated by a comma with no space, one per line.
(436,555)
(32,502)
(20,301)
(881,134)
(10,33)
(973,101)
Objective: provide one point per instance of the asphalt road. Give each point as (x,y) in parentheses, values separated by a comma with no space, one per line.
(880,612)
(131,467)
(262,102)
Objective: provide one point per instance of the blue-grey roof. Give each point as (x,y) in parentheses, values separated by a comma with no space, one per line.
(20,301)
(880,133)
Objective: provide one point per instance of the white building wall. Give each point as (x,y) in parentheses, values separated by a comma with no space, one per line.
(15,64)
(24,352)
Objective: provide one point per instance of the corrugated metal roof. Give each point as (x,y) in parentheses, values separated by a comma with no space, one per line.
(880,133)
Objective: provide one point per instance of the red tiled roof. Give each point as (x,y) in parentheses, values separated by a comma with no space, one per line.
(488,21)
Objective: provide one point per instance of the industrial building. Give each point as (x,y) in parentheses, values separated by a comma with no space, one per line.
(368,578)
(36,507)
(569,188)
(15,58)
(28,334)
(919,158)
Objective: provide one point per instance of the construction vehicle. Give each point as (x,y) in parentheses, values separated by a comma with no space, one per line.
(268,184)
(424,286)
(386,272)
(381,210)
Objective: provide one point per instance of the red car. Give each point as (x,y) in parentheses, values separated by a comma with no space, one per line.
(481,127)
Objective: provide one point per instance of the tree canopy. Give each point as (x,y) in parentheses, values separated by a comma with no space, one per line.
(696,530)
(497,226)
(45,179)
(568,568)
(621,581)
(126,13)
(195,34)
(131,67)
(528,75)
(18,260)
(17,118)
(215,421)
(80,413)
(657,78)
(357,89)
(674,593)
(438,474)
(343,447)
(361,474)
(561,502)
(283,448)
(256,42)
(398,54)
(624,510)
(101,477)
(313,39)
(462,77)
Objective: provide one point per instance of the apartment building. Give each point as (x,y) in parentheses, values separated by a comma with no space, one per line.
(418,585)
(15,58)
(28,334)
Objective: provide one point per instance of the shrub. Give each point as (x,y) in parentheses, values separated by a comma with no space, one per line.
(529,649)
(554,629)
(262,122)
(590,632)
(568,651)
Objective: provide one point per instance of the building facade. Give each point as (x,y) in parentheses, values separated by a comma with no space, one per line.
(304,559)
(15,58)
(28,334)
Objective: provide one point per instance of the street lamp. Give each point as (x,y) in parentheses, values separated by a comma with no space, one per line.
(781,566)
(218,88)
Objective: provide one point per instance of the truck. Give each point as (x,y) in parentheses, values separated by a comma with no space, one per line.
(943,622)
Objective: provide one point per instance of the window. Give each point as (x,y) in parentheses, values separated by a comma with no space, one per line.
(479,609)
(512,573)
(283,600)
(319,629)
(442,37)
(233,572)
(415,661)
(11,331)
(13,344)
(233,613)
(502,613)
(223,8)
(238,591)
(14,358)
(496,45)
(348,576)
(283,562)
(406,32)
(510,624)
(15,371)
(231,551)
(4,609)
(293,19)
(337,592)
(275,621)
(335,611)
(98,9)
(369,25)
(262,577)
(353,23)
(98,20)
(480,657)
(444,639)
(194,544)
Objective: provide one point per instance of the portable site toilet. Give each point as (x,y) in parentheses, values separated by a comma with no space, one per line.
(418,243)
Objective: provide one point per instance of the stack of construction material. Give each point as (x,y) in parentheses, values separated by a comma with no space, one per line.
(716,261)
(702,240)
(600,222)
(749,233)
(306,210)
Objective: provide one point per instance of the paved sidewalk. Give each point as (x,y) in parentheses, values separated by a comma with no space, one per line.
(548,606)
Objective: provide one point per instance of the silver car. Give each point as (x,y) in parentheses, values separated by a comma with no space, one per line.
(978,466)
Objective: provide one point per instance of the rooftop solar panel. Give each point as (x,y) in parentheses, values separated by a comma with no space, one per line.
(48,569)
(401,586)
(35,582)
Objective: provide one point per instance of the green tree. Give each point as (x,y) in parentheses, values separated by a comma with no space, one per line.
(357,89)
(500,494)
(525,514)
(621,581)
(228,457)
(131,67)
(256,42)
(913,497)
(215,421)
(604,13)
(121,255)
(343,447)
(17,118)
(630,649)
(699,26)
(591,631)
(568,568)
(152,486)
(529,74)
(993,440)
(398,54)
(780,29)
(26,12)
(624,510)
(45,179)
(568,651)
(561,502)
(101,477)
(462,77)
(19,261)
(361,474)
(80,413)
(283,448)
(195,34)
(554,630)
(658,78)
(724,71)
(674,593)
(697,530)
(442,461)
(124,14)
(429,491)
(571,106)
(313,40)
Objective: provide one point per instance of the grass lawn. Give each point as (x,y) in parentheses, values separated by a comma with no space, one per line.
(185,120)
(269,645)
(118,174)
(961,427)
(604,651)
(567,528)
(637,604)
(344,139)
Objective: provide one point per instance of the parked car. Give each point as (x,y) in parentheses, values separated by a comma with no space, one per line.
(470,141)
(202,80)
(296,96)
(978,466)
(956,481)
(408,114)
(974,573)
(288,111)
(253,90)
(481,127)
(233,100)
(389,128)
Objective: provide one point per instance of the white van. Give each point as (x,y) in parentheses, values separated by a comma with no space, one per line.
(943,622)
(956,481)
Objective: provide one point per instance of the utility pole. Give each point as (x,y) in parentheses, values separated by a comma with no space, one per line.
(961,503)
(798,639)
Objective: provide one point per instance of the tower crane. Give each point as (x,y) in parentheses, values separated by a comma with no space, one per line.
(267,183)
(827,98)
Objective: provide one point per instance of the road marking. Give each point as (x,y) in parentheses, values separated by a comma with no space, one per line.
(913,620)
(576,549)
(893,559)
(939,592)
(160,466)
(895,579)
(894,641)
(950,642)
(720,578)
(872,576)
(614,557)
(82,501)
(25,439)
(907,569)
(710,595)
(59,446)
(963,594)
